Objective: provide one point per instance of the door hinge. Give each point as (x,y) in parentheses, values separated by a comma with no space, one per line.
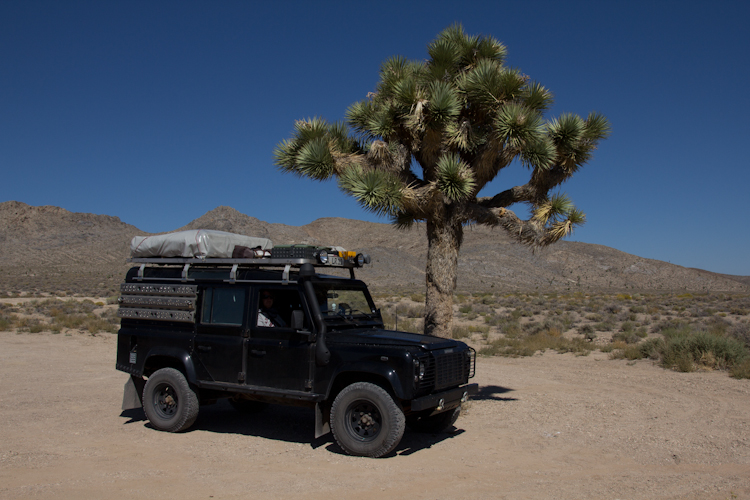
(241,377)
(308,384)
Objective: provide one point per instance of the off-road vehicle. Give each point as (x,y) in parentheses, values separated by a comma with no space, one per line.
(266,327)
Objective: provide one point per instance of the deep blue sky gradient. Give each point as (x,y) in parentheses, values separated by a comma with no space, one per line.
(159,111)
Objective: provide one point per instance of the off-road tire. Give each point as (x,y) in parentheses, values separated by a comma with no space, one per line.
(169,402)
(435,423)
(366,421)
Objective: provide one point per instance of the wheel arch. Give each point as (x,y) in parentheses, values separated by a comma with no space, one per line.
(170,358)
(387,380)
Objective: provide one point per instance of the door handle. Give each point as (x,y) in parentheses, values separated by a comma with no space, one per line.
(204,348)
(257,353)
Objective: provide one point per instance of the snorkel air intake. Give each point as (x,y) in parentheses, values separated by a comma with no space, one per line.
(322,354)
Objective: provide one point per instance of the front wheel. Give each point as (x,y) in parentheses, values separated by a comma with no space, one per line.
(169,402)
(365,420)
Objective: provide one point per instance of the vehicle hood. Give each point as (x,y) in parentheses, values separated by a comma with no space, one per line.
(390,338)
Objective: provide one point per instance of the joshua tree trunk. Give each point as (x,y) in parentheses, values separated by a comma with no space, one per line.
(444,237)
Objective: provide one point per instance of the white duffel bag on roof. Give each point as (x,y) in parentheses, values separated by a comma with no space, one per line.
(197,243)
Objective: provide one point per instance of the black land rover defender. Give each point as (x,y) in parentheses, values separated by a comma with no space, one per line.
(273,330)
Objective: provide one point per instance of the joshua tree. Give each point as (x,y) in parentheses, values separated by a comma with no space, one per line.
(457,119)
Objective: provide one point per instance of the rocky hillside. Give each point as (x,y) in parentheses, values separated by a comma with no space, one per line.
(51,249)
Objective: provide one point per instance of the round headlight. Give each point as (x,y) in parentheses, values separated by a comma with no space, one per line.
(323,257)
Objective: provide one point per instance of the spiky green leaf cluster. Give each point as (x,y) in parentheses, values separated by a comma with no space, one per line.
(559,216)
(454,178)
(375,190)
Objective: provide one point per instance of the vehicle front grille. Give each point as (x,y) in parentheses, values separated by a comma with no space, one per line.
(451,369)
(445,369)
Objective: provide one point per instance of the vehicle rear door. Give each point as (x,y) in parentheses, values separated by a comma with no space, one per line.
(221,331)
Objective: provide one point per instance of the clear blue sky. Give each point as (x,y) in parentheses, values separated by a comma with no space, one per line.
(159,111)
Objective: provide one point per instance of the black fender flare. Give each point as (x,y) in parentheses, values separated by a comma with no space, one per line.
(371,369)
(181,356)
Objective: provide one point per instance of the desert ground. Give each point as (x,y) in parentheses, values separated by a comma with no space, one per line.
(546,426)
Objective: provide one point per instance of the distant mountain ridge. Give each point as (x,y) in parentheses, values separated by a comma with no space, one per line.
(51,249)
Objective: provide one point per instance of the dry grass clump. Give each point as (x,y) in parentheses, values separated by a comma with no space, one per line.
(56,315)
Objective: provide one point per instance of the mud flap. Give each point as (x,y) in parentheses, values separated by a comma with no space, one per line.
(322,420)
(132,393)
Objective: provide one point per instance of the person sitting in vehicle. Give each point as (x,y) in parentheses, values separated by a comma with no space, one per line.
(267,315)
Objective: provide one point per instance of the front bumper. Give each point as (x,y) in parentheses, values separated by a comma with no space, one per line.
(445,400)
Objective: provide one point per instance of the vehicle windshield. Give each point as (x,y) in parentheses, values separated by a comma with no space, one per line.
(342,305)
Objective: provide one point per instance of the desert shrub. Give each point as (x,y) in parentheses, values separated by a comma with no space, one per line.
(465,309)
(493,319)
(627,337)
(686,347)
(410,325)
(415,311)
(630,352)
(741,332)
(417,297)
(741,370)
(667,324)
(489,299)
(460,332)
(511,328)
(479,329)
(605,326)
(538,342)
(482,309)
(96,325)
(545,326)
(716,325)
(567,321)
(587,331)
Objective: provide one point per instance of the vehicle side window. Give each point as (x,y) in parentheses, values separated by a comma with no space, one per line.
(275,306)
(223,305)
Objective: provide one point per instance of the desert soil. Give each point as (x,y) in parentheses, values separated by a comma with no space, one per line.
(550,426)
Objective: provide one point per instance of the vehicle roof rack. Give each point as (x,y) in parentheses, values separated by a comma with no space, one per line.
(321,259)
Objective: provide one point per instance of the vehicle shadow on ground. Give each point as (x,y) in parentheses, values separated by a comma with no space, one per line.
(286,423)
(135,415)
(490,393)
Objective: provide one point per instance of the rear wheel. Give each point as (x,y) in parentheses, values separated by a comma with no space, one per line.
(169,402)
(435,423)
(365,420)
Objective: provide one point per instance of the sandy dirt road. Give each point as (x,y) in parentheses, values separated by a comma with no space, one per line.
(551,426)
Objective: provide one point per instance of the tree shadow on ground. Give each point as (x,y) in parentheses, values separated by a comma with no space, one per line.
(490,392)
(286,423)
